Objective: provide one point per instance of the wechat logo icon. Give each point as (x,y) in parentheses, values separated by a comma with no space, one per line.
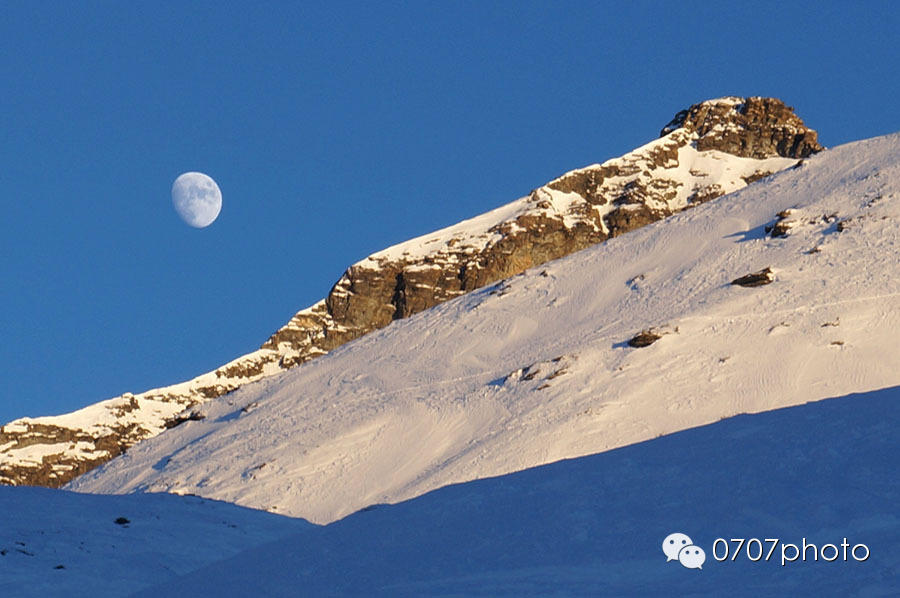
(679,547)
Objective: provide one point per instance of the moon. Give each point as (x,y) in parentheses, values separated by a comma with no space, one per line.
(197,199)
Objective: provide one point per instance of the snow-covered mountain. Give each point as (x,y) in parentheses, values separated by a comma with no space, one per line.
(711,149)
(729,371)
(641,336)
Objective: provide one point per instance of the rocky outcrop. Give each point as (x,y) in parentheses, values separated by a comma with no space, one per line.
(708,150)
(755,279)
(373,293)
(82,451)
(747,127)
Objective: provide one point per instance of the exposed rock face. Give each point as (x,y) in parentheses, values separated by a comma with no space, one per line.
(747,127)
(708,150)
(83,451)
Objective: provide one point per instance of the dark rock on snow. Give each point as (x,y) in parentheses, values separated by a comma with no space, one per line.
(755,279)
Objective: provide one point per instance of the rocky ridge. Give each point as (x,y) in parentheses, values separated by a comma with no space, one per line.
(711,149)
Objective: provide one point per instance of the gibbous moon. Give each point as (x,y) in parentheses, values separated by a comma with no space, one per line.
(197,199)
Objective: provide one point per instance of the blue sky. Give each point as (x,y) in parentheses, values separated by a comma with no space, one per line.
(334,131)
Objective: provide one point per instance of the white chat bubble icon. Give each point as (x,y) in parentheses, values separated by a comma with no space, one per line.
(692,557)
(673,544)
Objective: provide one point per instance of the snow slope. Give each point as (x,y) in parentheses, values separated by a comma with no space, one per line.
(665,175)
(594,526)
(58,543)
(537,369)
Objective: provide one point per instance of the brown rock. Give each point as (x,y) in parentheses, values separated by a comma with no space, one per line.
(750,127)
(645,338)
(782,225)
(756,279)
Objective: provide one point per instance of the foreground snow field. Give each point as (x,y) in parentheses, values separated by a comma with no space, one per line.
(58,543)
(537,368)
(590,526)
(594,526)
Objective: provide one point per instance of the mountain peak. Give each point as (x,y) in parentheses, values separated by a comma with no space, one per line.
(753,127)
